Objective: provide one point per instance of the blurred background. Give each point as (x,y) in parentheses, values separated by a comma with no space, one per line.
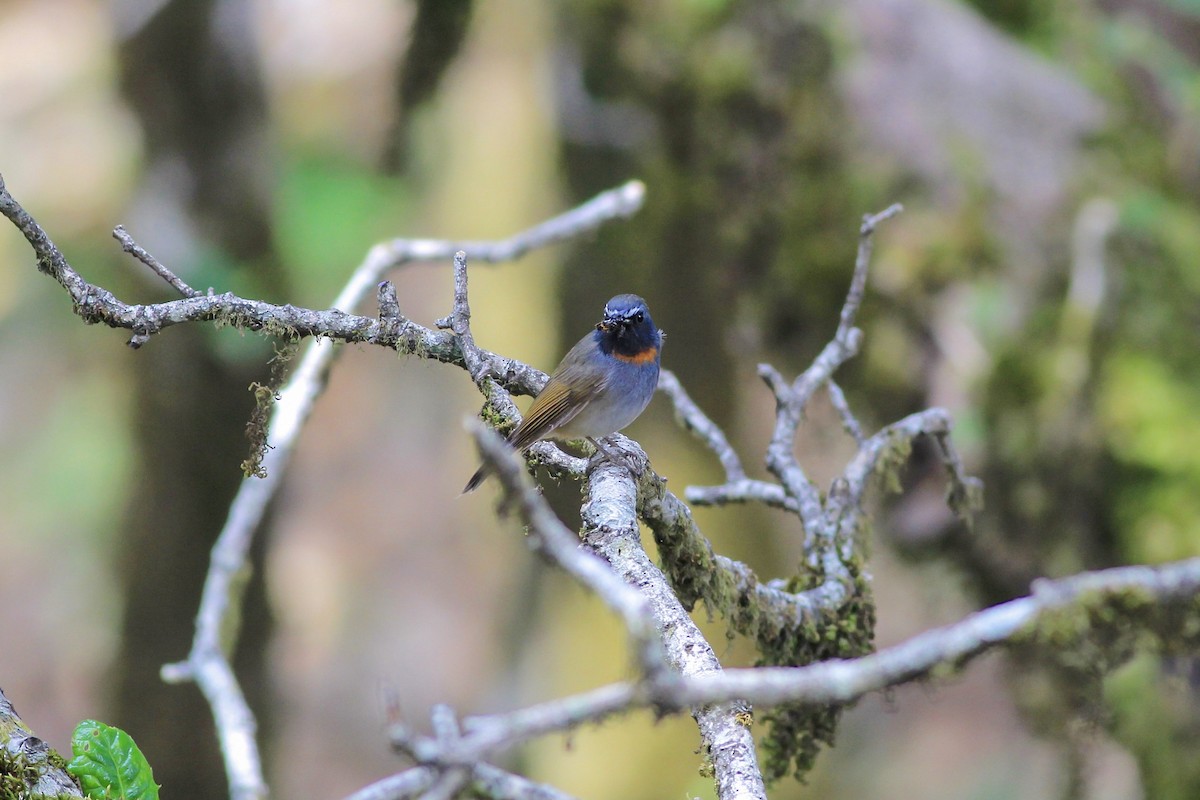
(1042,284)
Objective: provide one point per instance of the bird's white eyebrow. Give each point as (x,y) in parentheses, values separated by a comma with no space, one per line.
(608,312)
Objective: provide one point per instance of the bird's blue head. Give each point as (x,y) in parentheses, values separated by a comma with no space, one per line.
(627,332)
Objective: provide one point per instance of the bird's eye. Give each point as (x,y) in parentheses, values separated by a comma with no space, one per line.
(638,317)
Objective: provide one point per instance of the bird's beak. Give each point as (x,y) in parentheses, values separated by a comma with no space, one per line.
(605,325)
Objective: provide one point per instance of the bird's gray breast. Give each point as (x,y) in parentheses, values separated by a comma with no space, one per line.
(622,399)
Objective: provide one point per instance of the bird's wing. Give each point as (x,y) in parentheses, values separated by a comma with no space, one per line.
(569,390)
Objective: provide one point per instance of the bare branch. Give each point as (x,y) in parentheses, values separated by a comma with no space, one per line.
(477,362)
(497,784)
(1104,592)
(459,321)
(610,527)
(487,735)
(696,421)
(94,304)
(486,781)
(744,491)
(954,644)
(448,784)
(139,252)
(849,422)
(400,786)
(858,284)
(792,399)
(560,545)
(823,526)
(844,345)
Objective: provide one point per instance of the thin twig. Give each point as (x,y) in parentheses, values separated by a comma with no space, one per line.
(850,423)
(139,252)
(561,545)
(486,735)
(475,360)
(95,304)
(460,321)
(744,491)
(858,284)
(400,786)
(821,529)
(486,781)
(696,421)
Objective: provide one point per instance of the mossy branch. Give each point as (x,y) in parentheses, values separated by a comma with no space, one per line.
(29,768)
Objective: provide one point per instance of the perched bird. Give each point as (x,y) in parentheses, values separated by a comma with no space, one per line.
(602,384)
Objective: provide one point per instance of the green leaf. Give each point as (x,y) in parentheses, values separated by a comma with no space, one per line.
(109,765)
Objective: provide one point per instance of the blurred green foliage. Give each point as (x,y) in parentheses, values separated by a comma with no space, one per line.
(326,210)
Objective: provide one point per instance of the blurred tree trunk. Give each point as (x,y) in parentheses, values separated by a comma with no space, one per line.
(190,73)
(729,113)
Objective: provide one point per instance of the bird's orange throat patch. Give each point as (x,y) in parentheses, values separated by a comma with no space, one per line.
(644,357)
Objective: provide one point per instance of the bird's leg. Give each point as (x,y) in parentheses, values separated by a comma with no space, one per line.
(617,457)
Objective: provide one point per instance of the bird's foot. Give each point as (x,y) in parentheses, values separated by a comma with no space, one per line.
(619,458)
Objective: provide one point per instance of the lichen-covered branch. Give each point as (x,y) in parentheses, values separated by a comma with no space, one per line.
(95,304)
(662,631)
(1159,604)
(561,546)
(697,422)
(1143,599)
(825,522)
(610,528)
(610,532)
(825,610)
(28,767)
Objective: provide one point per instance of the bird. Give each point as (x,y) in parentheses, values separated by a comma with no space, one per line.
(602,384)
